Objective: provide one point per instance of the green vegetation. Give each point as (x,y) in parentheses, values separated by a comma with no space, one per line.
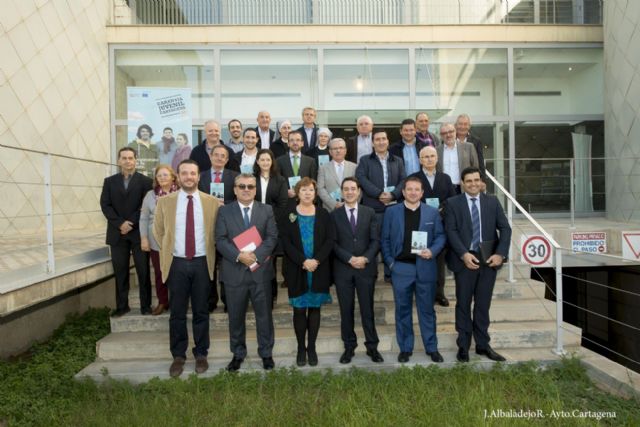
(40,390)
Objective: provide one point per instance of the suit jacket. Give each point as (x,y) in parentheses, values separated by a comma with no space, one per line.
(228,178)
(369,173)
(276,196)
(323,240)
(364,242)
(477,143)
(200,155)
(230,224)
(272,136)
(308,166)
(119,205)
(314,137)
(494,227)
(392,238)
(278,148)
(328,181)
(466,156)
(164,229)
(442,188)
(352,149)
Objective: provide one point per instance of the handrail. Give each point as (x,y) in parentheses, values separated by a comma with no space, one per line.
(524,211)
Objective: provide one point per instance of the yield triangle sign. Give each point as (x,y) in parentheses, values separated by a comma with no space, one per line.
(631,245)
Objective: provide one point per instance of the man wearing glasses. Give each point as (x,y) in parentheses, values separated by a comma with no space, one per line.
(454,155)
(247,271)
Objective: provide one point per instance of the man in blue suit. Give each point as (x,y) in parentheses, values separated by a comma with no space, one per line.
(413,271)
(479,235)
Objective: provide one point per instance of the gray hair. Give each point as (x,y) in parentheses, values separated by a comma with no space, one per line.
(464,116)
(364,117)
(325,131)
(334,141)
(211,121)
(244,176)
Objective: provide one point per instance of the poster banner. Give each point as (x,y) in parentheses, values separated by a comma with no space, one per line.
(159,125)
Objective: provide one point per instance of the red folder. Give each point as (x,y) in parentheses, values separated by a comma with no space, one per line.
(248,241)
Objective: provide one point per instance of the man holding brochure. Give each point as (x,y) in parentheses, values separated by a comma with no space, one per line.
(246,235)
(408,225)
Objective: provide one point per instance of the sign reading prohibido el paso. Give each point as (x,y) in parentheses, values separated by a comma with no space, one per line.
(595,243)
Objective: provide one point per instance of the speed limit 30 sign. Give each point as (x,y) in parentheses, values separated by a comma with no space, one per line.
(535,251)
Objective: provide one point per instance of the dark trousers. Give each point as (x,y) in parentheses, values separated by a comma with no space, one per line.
(189,280)
(238,295)
(405,284)
(346,288)
(161,289)
(442,268)
(120,254)
(476,286)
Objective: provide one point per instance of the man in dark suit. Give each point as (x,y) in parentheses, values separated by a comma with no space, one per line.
(437,189)
(247,157)
(247,272)
(479,236)
(295,163)
(309,129)
(413,267)
(463,126)
(422,131)
(361,144)
(202,152)
(218,174)
(265,135)
(355,268)
(120,201)
(408,147)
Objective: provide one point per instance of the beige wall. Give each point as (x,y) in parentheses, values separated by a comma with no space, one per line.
(622,108)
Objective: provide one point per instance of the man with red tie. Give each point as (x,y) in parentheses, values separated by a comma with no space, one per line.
(184,230)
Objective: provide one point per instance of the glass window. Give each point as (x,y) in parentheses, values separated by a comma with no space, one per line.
(472,81)
(282,82)
(366,79)
(558,81)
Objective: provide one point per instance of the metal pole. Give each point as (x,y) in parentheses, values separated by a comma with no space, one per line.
(510,279)
(48,209)
(559,350)
(572,192)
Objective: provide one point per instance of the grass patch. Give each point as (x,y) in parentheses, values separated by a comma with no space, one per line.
(41,391)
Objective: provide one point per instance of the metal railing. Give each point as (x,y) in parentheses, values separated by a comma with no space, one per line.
(51,218)
(364,12)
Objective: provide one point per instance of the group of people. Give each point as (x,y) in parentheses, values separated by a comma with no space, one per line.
(330,208)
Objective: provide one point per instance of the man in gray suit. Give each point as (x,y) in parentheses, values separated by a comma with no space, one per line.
(355,269)
(454,155)
(330,175)
(247,272)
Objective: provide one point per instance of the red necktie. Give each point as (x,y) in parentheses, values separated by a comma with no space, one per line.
(217,178)
(190,234)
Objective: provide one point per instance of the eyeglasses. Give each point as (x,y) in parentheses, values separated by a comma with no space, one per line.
(448,132)
(246,186)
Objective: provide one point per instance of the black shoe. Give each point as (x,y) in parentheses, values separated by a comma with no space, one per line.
(404,356)
(387,279)
(312,356)
(490,353)
(463,355)
(235,364)
(120,312)
(301,358)
(268,363)
(225,308)
(443,301)
(375,355)
(347,356)
(212,307)
(435,356)
(145,311)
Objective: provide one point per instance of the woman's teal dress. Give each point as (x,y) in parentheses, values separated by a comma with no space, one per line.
(310,298)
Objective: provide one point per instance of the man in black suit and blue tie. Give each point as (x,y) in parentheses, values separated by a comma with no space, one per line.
(479,235)
(247,273)
(355,268)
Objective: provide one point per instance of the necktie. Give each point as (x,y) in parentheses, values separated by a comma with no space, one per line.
(475,221)
(340,172)
(190,234)
(352,220)
(217,179)
(245,217)
(296,165)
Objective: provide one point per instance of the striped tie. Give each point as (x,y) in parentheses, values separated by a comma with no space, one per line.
(475,221)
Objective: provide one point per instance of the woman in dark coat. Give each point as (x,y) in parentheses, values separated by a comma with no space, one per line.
(308,235)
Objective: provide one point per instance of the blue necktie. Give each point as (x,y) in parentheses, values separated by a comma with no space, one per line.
(352,221)
(245,217)
(475,221)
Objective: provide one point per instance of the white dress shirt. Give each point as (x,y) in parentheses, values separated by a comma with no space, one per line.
(181,225)
(264,182)
(265,136)
(450,164)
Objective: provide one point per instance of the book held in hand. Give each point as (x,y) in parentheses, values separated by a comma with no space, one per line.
(293,180)
(246,168)
(418,241)
(248,241)
(323,159)
(216,189)
(434,202)
(336,195)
